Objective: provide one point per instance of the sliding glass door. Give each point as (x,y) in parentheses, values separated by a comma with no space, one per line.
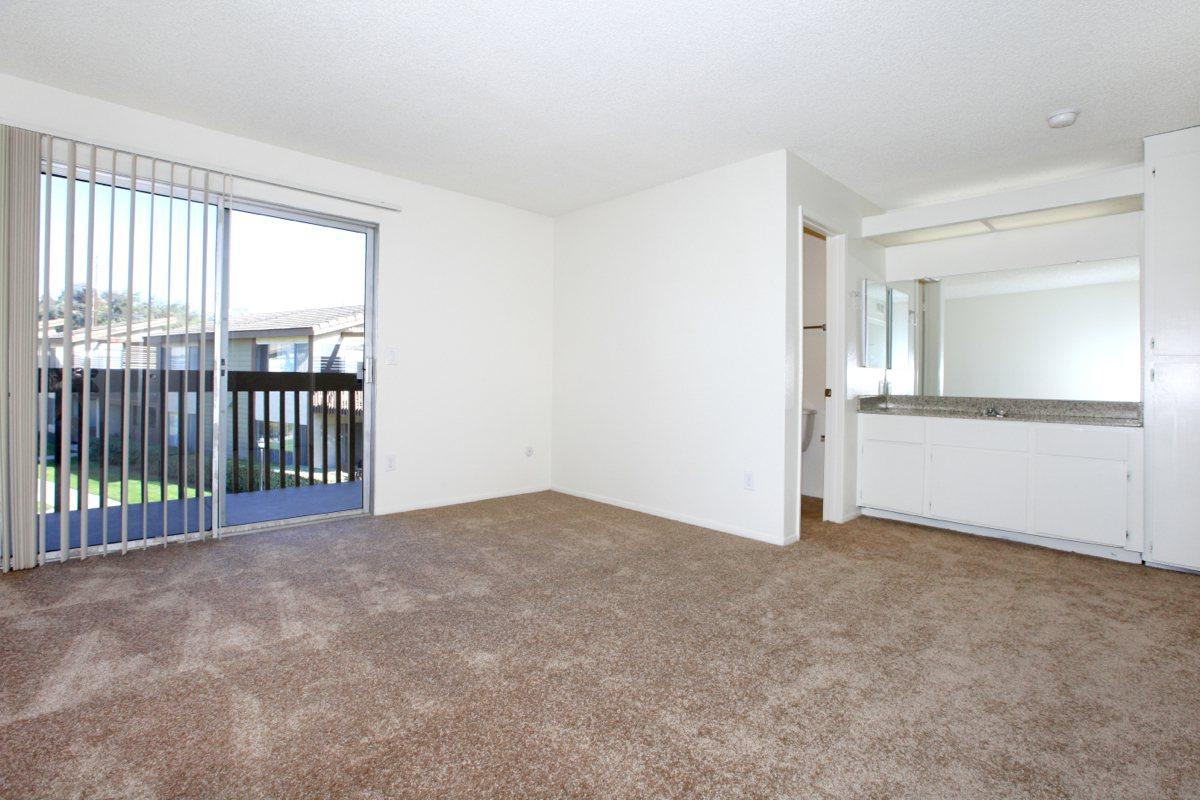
(126,318)
(200,362)
(296,354)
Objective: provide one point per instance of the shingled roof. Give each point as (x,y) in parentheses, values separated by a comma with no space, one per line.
(304,322)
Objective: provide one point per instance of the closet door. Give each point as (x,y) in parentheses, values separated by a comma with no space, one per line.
(1171,271)
(1172,253)
(1173,461)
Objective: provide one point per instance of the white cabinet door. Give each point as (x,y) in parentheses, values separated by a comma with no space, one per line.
(979,487)
(1084,499)
(1172,257)
(1173,461)
(892,476)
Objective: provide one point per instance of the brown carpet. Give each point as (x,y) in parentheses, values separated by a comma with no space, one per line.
(545,646)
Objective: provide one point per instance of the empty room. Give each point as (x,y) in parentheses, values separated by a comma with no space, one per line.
(600,400)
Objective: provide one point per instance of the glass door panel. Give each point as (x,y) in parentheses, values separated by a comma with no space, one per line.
(295,405)
(126,319)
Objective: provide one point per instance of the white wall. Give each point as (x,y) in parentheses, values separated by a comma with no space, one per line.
(852,261)
(669,349)
(465,294)
(678,351)
(812,471)
(1073,343)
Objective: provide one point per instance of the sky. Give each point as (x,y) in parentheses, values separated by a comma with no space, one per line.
(282,265)
(275,264)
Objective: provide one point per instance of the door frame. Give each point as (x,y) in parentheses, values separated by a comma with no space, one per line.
(370,305)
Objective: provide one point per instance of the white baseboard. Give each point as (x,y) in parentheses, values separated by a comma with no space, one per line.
(844,518)
(457,501)
(676,517)
(1172,567)
(1084,548)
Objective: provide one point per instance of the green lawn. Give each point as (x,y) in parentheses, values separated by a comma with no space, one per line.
(153,487)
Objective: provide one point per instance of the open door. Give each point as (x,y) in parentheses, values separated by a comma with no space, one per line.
(297,350)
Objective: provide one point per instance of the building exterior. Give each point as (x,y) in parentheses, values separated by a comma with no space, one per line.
(322,341)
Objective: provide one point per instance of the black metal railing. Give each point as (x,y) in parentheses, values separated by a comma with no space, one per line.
(325,395)
(166,446)
(166,392)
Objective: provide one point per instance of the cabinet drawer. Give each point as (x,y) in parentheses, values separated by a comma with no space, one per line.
(892,429)
(1062,440)
(979,487)
(981,434)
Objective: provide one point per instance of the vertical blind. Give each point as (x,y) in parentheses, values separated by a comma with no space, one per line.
(19,169)
(115,377)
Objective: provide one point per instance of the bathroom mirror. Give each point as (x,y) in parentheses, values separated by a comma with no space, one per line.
(1067,332)
(874,324)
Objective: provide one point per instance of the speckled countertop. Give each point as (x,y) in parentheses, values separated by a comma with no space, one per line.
(1070,412)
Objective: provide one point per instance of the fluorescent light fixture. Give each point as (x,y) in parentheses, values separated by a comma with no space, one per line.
(1049,216)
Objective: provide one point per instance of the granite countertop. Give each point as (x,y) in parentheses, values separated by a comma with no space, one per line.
(1067,412)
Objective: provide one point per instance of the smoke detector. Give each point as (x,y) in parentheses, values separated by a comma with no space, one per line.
(1063,119)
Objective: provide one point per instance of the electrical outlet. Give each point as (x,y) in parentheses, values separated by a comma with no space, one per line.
(529,452)
(748,481)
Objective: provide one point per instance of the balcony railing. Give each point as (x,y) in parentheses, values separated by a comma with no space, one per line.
(165,450)
(325,395)
(174,469)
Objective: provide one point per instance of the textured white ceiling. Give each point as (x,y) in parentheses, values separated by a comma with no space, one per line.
(555,104)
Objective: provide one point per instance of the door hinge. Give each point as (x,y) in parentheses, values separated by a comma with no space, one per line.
(1152,373)
(1129,475)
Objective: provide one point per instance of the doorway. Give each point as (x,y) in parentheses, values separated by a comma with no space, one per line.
(813,378)
(296,352)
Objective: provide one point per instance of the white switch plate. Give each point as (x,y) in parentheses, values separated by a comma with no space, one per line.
(748,481)
(391,357)
(389,463)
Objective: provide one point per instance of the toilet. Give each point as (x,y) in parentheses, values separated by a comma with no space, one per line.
(807,430)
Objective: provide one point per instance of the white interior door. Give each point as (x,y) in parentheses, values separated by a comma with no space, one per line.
(1172,465)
